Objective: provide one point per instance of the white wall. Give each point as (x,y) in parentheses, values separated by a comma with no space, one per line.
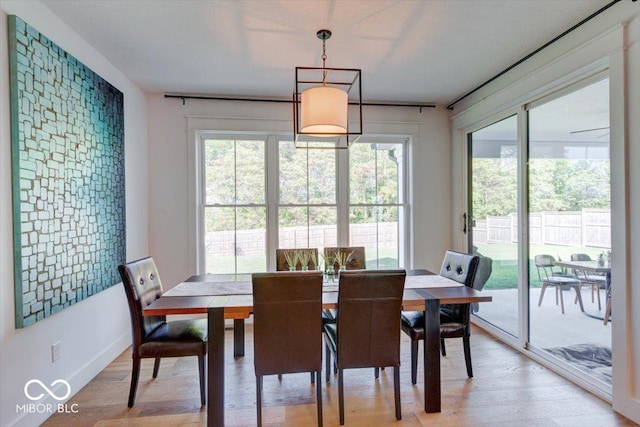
(170,124)
(611,40)
(96,330)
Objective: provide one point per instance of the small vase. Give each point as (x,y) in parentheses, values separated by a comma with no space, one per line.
(305,268)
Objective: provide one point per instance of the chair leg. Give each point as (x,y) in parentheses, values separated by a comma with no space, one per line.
(259,398)
(327,361)
(579,297)
(376,372)
(607,311)
(597,289)
(544,286)
(156,367)
(414,361)
(279,377)
(203,384)
(443,349)
(341,395)
(561,298)
(313,377)
(319,397)
(467,355)
(135,374)
(396,391)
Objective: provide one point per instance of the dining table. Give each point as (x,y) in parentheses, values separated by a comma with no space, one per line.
(229,297)
(594,267)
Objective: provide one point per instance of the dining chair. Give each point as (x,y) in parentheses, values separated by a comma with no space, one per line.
(593,281)
(153,336)
(356,261)
(287,327)
(282,264)
(544,264)
(367,333)
(454,318)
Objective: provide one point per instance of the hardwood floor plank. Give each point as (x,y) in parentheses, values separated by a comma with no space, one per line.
(507,389)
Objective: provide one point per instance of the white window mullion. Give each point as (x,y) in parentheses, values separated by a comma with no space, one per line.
(273,191)
(342,188)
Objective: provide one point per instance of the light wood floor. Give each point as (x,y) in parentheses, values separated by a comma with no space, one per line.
(508,389)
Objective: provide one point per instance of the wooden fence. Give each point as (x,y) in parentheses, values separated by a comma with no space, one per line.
(588,227)
(253,242)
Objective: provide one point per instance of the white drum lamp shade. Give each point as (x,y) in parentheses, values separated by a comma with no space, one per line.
(324,111)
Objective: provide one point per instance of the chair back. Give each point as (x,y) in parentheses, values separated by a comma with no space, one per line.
(483,272)
(281,258)
(287,325)
(142,286)
(368,327)
(356,260)
(460,267)
(544,265)
(580,257)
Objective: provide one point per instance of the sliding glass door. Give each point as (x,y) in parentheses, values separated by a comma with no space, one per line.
(493,218)
(561,155)
(570,220)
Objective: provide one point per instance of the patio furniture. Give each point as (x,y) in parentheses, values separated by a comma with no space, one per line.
(594,281)
(544,265)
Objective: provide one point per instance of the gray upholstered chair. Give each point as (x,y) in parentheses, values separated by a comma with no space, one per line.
(367,333)
(454,318)
(287,327)
(544,266)
(153,336)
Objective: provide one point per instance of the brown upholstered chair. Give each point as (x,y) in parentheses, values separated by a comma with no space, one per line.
(367,333)
(281,260)
(287,327)
(454,318)
(153,336)
(356,261)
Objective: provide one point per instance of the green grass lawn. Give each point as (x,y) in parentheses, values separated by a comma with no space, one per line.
(504,274)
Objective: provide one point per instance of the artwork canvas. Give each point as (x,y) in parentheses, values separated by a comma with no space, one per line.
(67,142)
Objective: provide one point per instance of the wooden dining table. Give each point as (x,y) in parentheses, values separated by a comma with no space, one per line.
(230,297)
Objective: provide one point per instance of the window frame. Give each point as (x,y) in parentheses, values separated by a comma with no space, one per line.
(343,205)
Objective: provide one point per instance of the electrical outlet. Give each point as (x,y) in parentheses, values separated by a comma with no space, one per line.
(55,351)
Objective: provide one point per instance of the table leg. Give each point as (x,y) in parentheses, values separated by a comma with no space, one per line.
(238,337)
(432,397)
(215,367)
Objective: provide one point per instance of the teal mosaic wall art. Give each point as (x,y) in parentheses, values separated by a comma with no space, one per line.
(67,142)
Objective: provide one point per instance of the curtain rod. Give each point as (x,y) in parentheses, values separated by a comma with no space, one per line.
(229,98)
(555,39)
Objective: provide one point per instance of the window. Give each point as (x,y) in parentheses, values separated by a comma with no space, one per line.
(307,209)
(261,193)
(376,201)
(235,213)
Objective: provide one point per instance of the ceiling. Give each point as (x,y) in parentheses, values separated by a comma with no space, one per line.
(409,51)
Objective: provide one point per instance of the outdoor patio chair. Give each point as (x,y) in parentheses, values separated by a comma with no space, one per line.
(544,265)
(593,281)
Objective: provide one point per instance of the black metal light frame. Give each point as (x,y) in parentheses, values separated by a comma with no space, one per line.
(323,76)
